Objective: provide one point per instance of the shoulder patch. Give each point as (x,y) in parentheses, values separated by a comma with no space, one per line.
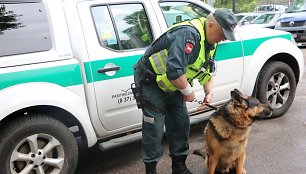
(189,47)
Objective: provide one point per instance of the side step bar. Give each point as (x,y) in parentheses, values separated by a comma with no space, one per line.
(120,141)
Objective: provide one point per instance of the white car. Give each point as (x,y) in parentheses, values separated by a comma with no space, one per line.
(266,20)
(246,18)
(270,8)
(66,69)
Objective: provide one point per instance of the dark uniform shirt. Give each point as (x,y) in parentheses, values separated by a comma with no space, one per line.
(183,45)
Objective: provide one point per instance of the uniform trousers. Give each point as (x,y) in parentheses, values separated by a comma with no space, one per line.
(174,119)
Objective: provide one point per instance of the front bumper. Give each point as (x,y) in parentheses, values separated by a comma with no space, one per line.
(298,33)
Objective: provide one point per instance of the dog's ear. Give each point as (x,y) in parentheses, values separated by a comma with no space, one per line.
(238,99)
(237,91)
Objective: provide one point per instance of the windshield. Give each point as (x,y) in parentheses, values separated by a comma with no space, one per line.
(297,6)
(175,12)
(263,19)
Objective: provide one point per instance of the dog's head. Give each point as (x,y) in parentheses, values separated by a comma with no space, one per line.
(249,106)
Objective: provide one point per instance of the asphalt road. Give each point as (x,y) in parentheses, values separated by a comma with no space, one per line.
(276,146)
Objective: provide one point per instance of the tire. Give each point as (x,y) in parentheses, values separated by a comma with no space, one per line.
(276,86)
(35,144)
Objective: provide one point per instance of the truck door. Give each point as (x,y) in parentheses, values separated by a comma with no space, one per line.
(228,57)
(116,35)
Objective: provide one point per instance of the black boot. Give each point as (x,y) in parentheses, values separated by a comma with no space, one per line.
(179,165)
(151,167)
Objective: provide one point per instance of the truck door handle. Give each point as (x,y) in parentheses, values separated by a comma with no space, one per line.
(103,70)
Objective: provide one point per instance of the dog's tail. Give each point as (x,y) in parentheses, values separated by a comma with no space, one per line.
(200,152)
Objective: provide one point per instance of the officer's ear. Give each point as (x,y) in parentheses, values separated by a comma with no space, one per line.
(209,28)
(210,24)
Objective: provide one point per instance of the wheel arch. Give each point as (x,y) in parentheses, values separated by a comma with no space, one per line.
(59,114)
(48,99)
(289,60)
(284,52)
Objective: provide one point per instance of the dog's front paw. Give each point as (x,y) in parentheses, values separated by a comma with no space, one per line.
(242,171)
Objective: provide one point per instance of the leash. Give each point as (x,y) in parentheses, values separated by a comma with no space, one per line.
(209,105)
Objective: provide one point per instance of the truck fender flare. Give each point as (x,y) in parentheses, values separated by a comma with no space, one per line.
(25,95)
(264,52)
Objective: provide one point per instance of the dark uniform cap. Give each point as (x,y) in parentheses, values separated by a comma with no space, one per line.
(228,22)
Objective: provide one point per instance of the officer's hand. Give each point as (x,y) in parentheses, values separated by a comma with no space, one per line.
(190,97)
(207,99)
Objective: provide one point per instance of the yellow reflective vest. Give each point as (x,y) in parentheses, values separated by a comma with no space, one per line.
(193,71)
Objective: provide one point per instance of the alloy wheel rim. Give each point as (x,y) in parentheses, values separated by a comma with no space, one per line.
(37,154)
(278,90)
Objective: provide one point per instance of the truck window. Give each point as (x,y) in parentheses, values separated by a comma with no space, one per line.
(122,27)
(24,28)
(175,12)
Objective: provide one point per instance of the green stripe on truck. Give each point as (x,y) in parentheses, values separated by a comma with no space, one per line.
(66,75)
(69,75)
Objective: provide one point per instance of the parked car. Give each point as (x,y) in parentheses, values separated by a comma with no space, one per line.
(270,8)
(246,18)
(67,69)
(294,20)
(266,20)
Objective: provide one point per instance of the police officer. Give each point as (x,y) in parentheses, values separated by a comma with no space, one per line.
(164,75)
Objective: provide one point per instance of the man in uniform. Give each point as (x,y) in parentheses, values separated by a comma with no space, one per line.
(164,77)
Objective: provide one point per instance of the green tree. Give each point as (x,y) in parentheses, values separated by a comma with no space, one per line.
(223,4)
(8,20)
(245,5)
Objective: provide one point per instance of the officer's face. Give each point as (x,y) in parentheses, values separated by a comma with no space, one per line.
(214,33)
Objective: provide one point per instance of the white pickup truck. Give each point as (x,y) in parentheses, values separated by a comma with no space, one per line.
(66,71)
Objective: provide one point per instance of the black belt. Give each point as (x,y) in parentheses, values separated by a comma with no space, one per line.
(144,63)
(145,73)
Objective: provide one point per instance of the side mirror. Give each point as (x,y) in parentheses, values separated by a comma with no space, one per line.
(243,22)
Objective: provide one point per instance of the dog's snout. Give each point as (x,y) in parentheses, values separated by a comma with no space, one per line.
(267,112)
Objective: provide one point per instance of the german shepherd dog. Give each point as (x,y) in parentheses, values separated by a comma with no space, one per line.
(226,133)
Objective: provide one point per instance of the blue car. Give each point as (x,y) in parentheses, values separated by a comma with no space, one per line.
(294,20)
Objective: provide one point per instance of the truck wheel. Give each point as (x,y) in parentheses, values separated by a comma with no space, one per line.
(276,86)
(37,144)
